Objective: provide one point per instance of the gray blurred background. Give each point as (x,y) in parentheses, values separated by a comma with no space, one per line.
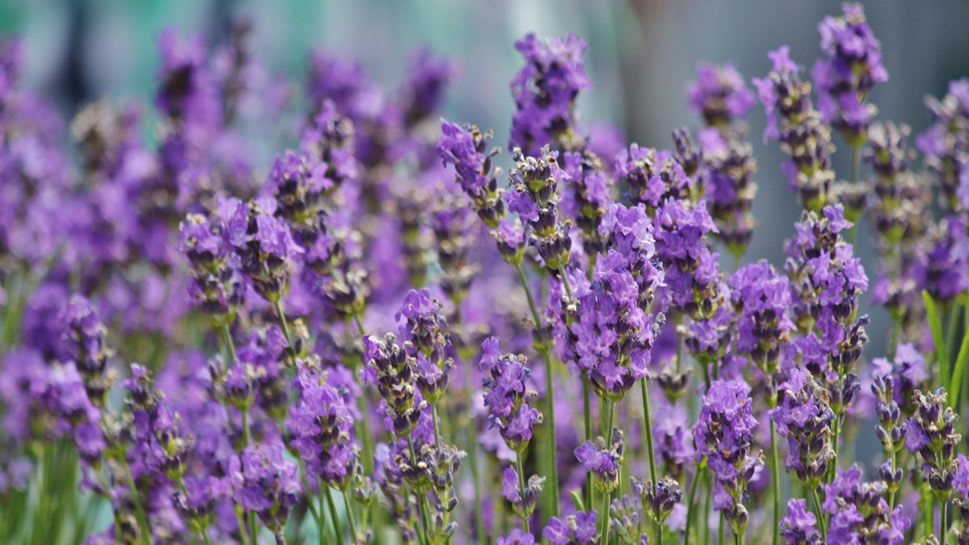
(641,55)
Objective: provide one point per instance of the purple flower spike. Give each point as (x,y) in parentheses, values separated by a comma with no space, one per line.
(719,94)
(852,65)
(544,91)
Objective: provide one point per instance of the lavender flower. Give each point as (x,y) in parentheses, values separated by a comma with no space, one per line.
(792,119)
(658,499)
(320,427)
(798,527)
(535,199)
(85,345)
(653,176)
(544,91)
(511,490)
(803,416)
(692,273)
(516,537)
(395,373)
(946,144)
(762,298)
(931,433)
(603,462)
(859,513)
(507,395)
(466,149)
(719,94)
(577,529)
(264,245)
(266,483)
(724,436)
(850,69)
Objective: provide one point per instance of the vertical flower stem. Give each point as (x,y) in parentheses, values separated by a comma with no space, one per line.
(139,511)
(278,305)
(720,529)
(943,526)
(689,507)
(855,156)
(819,514)
(587,421)
(472,446)
(553,477)
(775,483)
(891,495)
(706,509)
(325,492)
(350,518)
(230,346)
(648,424)
(521,487)
(610,412)
(241,523)
(434,424)
(421,498)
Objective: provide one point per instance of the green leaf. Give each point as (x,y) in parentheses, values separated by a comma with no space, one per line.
(577,500)
(935,324)
(961,358)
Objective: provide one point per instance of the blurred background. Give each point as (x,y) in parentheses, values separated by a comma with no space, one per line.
(641,56)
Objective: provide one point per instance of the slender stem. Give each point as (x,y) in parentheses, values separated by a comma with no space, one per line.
(356,320)
(332,507)
(587,421)
(679,349)
(819,514)
(241,523)
(648,424)
(205,537)
(706,509)
(434,423)
(833,468)
(891,495)
(943,526)
(227,341)
(309,497)
(472,447)
(521,488)
(689,506)
(421,498)
(604,513)
(775,483)
(278,305)
(350,518)
(565,284)
(553,477)
(139,511)
(720,529)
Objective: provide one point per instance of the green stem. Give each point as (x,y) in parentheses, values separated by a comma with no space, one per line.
(421,498)
(324,492)
(553,477)
(473,456)
(943,526)
(278,305)
(720,530)
(309,498)
(521,488)
(819,514)
(587,421)
(350,518)
(241,522)
(139,511)
(689,506)
(706,509)
(647,423)
(227,341)
(775,483)
(604,513)
(434,421)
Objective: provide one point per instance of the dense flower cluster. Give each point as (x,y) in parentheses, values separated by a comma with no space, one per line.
(380,336)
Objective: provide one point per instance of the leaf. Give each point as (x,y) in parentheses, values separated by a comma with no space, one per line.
(935,324)
(960,368)
(577,500)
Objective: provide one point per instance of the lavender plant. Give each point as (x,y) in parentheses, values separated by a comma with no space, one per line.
(389,339)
